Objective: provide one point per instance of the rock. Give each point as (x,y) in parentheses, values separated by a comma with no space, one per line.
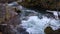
(43,4)
(22,30)
(49,30)
(8,1)
(0,32)
(2,12)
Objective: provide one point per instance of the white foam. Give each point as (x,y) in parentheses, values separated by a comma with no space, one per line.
(34,25)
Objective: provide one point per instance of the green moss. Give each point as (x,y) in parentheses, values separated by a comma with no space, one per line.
(49,30)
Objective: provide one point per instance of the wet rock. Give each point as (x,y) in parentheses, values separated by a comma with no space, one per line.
(49,30)
(22,30)
(24,33)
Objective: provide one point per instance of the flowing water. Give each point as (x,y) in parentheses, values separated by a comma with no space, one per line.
(35,23)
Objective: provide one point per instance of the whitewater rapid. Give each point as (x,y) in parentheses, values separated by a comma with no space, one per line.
(34,23)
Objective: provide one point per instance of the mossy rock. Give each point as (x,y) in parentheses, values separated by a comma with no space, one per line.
(49,30)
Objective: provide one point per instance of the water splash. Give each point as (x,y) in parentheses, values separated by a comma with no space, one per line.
(55,13)
(33,24)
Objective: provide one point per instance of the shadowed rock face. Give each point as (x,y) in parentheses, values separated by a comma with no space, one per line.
(45,4)
(4,1)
